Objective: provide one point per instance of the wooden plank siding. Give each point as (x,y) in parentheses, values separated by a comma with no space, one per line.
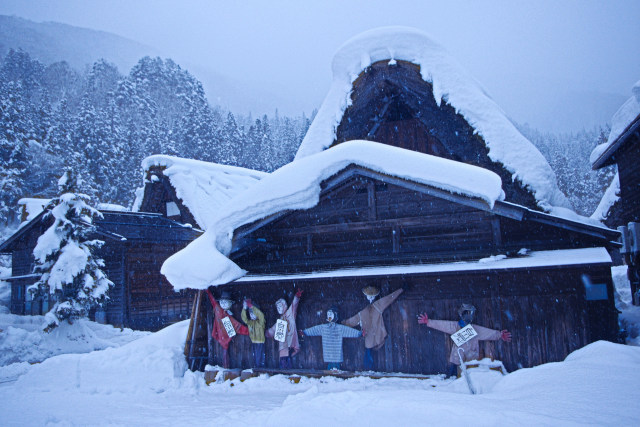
(113,257)
(629,171)
(544,308)
(366,222)
(152,303)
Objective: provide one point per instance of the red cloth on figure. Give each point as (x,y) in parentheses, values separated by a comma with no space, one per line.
(219,333)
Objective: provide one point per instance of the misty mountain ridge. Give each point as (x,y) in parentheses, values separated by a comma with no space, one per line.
(50,42)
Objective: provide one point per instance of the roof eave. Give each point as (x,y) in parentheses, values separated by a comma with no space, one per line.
(606,158)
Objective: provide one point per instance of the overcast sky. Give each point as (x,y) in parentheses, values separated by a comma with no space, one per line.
(523,53)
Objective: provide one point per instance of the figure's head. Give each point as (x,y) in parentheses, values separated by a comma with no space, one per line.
(281,306)
(332,315)
(371,292)
(466,312)
(225,300)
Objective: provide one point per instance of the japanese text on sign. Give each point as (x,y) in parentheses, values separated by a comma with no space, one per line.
(228,326)
(281,330)
(463,335)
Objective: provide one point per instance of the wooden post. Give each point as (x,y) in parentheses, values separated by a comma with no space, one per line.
(194,317)
(190,330)
(371,200)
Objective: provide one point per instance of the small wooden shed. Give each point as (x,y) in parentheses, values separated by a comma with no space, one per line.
(136,245)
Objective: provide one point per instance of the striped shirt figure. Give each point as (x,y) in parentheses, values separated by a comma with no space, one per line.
(332,334)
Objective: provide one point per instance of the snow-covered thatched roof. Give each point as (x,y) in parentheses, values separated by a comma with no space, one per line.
(451,84)
(622,121)
(203,187)
(297,186)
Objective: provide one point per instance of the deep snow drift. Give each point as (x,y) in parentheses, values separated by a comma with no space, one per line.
(22,339)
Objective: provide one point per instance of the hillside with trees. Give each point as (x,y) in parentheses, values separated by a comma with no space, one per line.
(102,124)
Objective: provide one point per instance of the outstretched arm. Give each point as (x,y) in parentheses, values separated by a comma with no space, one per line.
(486,334)
(314,331)
(294,304)
(446,326)
(385,302)
(352,321)
(348,332)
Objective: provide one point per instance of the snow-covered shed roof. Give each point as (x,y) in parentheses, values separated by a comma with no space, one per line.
(118,226)
(203,187)
(623,123)
(451,84)
(297,186)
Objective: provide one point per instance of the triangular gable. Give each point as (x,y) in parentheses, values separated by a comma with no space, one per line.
(191,191)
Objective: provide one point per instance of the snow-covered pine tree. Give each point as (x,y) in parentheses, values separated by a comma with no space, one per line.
(65,257)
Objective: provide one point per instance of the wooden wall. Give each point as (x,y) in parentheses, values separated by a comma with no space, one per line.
(628,158)
(364,221)
(150,299)
(544,308)
(141,297)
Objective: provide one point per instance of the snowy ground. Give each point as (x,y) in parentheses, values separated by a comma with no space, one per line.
(145,382)
(22,339)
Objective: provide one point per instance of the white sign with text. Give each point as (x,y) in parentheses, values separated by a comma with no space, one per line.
(281,330)
(228,326)
(464,335)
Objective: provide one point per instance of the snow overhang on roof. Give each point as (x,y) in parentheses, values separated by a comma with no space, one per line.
(623,123)
(203,187)
(298,186)
(452,84)
(32,206)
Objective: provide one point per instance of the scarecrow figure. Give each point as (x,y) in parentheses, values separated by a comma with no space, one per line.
(332,334)
(371,322)
(225,327)
(470,348)
(289,335)
(255,322)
